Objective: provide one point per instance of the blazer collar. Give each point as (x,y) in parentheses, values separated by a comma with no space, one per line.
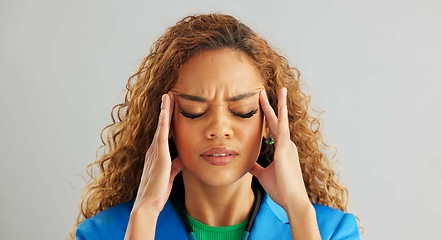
(276,209)
(170,225)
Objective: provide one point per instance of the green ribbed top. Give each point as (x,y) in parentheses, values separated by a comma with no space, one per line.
(205,232)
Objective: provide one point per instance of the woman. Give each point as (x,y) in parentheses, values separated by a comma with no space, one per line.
(214,141)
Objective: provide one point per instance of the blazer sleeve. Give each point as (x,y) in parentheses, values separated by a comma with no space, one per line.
(347,228)
(87,231)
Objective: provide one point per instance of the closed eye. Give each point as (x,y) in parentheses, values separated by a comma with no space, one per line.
(246,115)
(191,116)
(241,115)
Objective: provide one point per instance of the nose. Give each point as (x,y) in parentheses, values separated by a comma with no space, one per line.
(219,124)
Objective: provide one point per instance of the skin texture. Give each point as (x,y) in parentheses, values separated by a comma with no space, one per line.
(216,195)
(221,195)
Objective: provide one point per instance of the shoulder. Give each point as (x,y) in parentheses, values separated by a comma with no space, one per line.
(108,224)
(336,224)
(112,224)
(333,223)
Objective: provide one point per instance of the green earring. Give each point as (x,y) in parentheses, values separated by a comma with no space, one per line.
(270,141)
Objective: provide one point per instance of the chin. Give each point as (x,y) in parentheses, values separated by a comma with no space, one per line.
(216,177)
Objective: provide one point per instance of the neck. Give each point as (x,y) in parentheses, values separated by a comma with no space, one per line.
(219,205)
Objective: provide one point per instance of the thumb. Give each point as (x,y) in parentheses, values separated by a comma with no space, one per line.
(256,170)
(176,168)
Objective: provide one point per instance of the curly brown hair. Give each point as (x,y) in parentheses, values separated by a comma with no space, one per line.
(115,175)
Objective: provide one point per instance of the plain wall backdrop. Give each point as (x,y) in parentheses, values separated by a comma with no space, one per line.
(373,67)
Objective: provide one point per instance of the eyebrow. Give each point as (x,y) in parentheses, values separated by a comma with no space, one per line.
(230,99)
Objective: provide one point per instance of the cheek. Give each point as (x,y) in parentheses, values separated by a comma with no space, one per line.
(256,126)
(177,128)
(184,134)
(252,134)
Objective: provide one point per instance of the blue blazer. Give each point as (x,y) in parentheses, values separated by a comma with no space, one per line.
(270,223)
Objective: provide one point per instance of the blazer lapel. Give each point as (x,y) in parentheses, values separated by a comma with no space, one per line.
(170,225)
(271,222)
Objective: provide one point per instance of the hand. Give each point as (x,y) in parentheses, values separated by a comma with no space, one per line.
(157,179)
(159,171)
(282,179)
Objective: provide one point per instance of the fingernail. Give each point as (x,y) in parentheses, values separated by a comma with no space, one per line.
(284,92)
(264,93)
(171,96)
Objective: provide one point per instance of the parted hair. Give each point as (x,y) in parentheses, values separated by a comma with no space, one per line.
(116,173)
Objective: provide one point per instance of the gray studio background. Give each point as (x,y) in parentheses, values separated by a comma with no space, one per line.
(374,67)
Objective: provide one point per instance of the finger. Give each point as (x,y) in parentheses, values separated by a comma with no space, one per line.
(160,117)
(164,119)
(171,102)
(272,120)
(256,170)
(171,108)
(158,152)
(160,141)
(153,148)
(283,123)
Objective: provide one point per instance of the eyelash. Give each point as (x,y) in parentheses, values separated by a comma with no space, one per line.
(247,115)
(194,116)
(191,116)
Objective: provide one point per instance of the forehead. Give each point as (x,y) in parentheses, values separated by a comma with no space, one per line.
(224,71)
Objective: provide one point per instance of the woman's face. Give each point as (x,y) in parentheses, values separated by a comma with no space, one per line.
(217,122)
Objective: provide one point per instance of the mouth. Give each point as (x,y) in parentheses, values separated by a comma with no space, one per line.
(219,156)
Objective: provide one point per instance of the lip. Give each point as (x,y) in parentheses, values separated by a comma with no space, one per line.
(219,156)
